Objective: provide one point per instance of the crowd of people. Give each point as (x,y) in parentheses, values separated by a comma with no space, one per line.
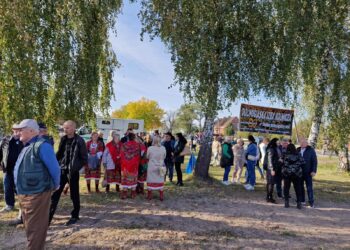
(38,175)
(283,164)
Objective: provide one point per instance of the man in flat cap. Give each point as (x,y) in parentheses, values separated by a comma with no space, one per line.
(37,175)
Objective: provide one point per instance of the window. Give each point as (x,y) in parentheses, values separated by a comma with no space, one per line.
(106,122)
(133,126)
(85,131)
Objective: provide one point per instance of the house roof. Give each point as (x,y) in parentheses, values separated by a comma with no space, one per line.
(224,122)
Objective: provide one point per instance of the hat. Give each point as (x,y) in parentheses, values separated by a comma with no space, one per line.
(15,126)
(42,125)
(27,123)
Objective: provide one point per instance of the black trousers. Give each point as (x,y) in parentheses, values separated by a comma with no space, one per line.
(278,182)
(178,172)
(297,187)
(270,182)
(73,180)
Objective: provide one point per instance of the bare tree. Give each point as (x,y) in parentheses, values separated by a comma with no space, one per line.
(170,120)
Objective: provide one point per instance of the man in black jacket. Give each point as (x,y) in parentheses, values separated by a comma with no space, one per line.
(169,163)
(309,171)
(72,156)
(10,147)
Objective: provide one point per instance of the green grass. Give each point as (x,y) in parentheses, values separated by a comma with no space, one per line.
(330,184)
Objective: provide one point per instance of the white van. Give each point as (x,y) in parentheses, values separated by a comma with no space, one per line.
(107,124)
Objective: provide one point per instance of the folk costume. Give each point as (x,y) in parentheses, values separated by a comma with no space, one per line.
(111,162)
(142,176)
(156,170)
(93,169)
(130,161)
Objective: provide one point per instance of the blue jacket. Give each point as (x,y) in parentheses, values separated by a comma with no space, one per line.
(310,158)
(252,150)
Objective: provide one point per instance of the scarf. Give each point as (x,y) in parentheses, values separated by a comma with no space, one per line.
(113,150)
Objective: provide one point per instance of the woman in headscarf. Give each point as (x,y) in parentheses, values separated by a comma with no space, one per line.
(93,169)
(130,161)
(156,168)
(111,160)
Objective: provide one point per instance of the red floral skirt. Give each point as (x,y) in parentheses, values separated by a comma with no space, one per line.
(113,176)
(92,174)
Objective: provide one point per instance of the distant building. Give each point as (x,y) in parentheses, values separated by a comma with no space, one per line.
(222,124)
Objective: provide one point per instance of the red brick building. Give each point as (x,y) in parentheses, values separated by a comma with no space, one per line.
(222,123)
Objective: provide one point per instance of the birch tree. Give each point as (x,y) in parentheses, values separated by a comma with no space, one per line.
(221,50)
(56,61)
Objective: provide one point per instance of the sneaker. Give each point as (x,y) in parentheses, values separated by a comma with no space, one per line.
(234,182)
(71,221)
(311,205)
(16,222)
(249,187)
(303,203)
(226,183)
(6,209)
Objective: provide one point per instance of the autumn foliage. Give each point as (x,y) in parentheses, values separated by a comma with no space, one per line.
(147,110)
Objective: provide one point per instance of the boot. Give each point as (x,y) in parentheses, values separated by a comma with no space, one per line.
(272,200)
(117,188)
(107,189)
(142,190)
(96,187)
(298,205)
(133,194)
(88,187)
(149,195)
(286,203)
(123,194)
(161,195)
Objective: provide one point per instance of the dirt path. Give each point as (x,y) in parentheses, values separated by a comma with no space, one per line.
(209,218)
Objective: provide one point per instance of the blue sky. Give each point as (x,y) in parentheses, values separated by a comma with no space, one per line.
(146,69)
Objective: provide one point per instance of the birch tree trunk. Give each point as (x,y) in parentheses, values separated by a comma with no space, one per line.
(343,157)
(204,155)
(319,100)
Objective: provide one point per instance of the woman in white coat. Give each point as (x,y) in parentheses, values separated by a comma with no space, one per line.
(156,168)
